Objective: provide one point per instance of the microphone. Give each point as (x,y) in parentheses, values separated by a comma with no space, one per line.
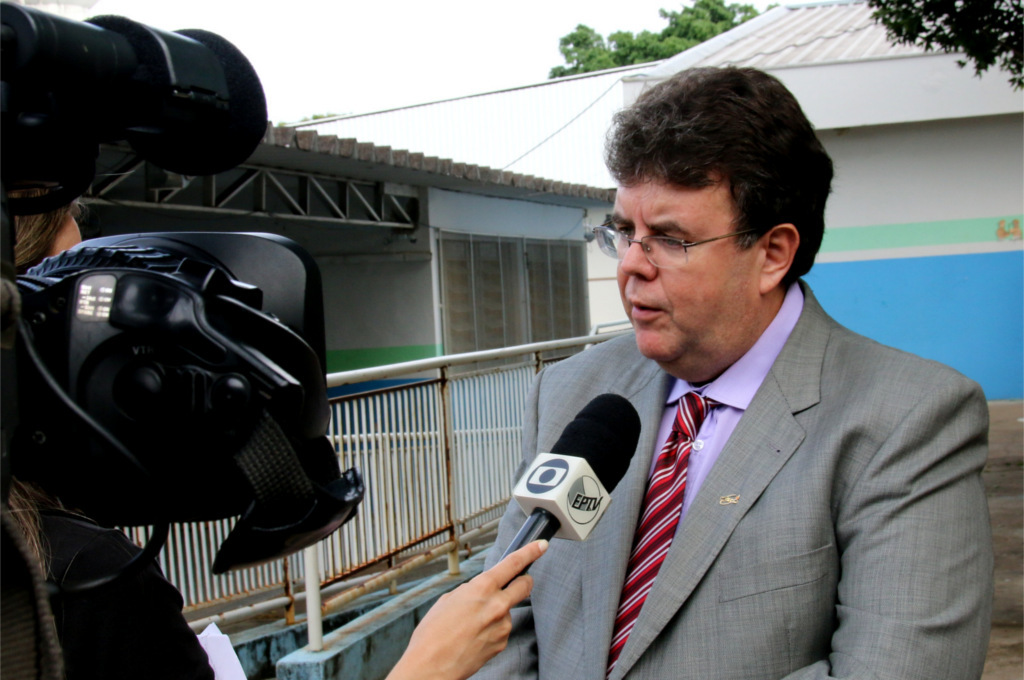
(198,108)
(565,492)
(188,101)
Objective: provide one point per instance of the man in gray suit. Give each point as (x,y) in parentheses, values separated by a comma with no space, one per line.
(833,521)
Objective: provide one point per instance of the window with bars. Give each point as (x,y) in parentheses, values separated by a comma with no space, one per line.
(502,291)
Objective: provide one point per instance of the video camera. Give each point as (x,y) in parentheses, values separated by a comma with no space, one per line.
(161,377)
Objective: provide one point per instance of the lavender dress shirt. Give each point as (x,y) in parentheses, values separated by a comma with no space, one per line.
(733,390)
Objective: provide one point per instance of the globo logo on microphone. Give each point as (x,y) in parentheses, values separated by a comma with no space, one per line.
(568,488)
(547,476)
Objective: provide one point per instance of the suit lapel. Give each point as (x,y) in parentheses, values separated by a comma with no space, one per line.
(606,551)
(764,439)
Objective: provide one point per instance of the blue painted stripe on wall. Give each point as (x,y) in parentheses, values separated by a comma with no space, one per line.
(966,311)
(369,386)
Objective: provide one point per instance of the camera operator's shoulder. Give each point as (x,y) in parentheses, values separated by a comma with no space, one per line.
(77,548)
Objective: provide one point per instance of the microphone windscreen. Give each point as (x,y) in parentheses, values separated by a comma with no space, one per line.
(247,126)
(605,434)
(171,127)
(149,57)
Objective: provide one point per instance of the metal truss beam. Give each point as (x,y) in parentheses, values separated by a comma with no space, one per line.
(255,190)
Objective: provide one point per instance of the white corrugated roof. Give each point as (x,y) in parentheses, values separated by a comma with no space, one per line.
(794,35)
(813,34)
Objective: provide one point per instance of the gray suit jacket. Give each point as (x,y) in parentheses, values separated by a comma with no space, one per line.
(859,546)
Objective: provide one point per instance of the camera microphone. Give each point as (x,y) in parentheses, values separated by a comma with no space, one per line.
(565,492)
(188,101)
(218,111)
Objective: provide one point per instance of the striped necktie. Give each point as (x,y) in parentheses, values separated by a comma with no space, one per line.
(657,526)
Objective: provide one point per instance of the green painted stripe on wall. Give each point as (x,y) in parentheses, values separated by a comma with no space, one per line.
(885,236)
(339,360)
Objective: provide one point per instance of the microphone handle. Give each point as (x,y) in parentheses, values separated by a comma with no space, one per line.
(541,524)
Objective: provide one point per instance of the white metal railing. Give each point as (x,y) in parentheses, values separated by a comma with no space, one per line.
(437,454)
(611,326)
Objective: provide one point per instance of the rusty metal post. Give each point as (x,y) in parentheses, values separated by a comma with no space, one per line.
(448,423)
(289,611)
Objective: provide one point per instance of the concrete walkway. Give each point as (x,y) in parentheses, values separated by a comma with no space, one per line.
(1004,482)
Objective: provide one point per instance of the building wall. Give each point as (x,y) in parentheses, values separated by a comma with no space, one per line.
(472,214)
(513,272)
(926,172)
(381,287)
(920,251)
(930,86)
(378,312)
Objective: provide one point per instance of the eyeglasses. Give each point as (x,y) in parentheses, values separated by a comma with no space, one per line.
(664,252)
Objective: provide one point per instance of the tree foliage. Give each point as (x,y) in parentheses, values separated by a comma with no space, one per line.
(585,50)
(988,32)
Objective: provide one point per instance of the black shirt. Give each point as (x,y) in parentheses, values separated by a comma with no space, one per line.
(132,628)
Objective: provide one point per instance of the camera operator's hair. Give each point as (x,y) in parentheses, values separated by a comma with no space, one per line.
(35,239)
(35,235)
(737,125)
(25,500)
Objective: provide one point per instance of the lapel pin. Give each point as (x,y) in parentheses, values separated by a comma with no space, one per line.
(731,499)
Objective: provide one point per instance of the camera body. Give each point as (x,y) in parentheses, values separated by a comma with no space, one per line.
(153,342)
(159,377)
(155,378)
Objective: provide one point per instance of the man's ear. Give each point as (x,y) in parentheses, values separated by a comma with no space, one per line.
(780,244)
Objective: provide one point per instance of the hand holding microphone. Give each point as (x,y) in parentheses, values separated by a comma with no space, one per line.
(565,492)
(469,625)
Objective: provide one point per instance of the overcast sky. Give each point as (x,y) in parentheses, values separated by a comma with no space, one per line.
(339,56)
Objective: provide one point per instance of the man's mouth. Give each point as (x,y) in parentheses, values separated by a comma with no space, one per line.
(641,312)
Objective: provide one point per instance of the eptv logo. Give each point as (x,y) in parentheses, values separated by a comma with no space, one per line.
(585,500)
(548,476)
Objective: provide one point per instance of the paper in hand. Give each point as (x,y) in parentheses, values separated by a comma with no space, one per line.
(221,654)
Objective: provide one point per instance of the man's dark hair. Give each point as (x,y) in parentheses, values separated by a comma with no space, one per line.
(739,125)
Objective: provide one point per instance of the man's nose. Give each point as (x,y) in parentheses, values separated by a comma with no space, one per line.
(634,261)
